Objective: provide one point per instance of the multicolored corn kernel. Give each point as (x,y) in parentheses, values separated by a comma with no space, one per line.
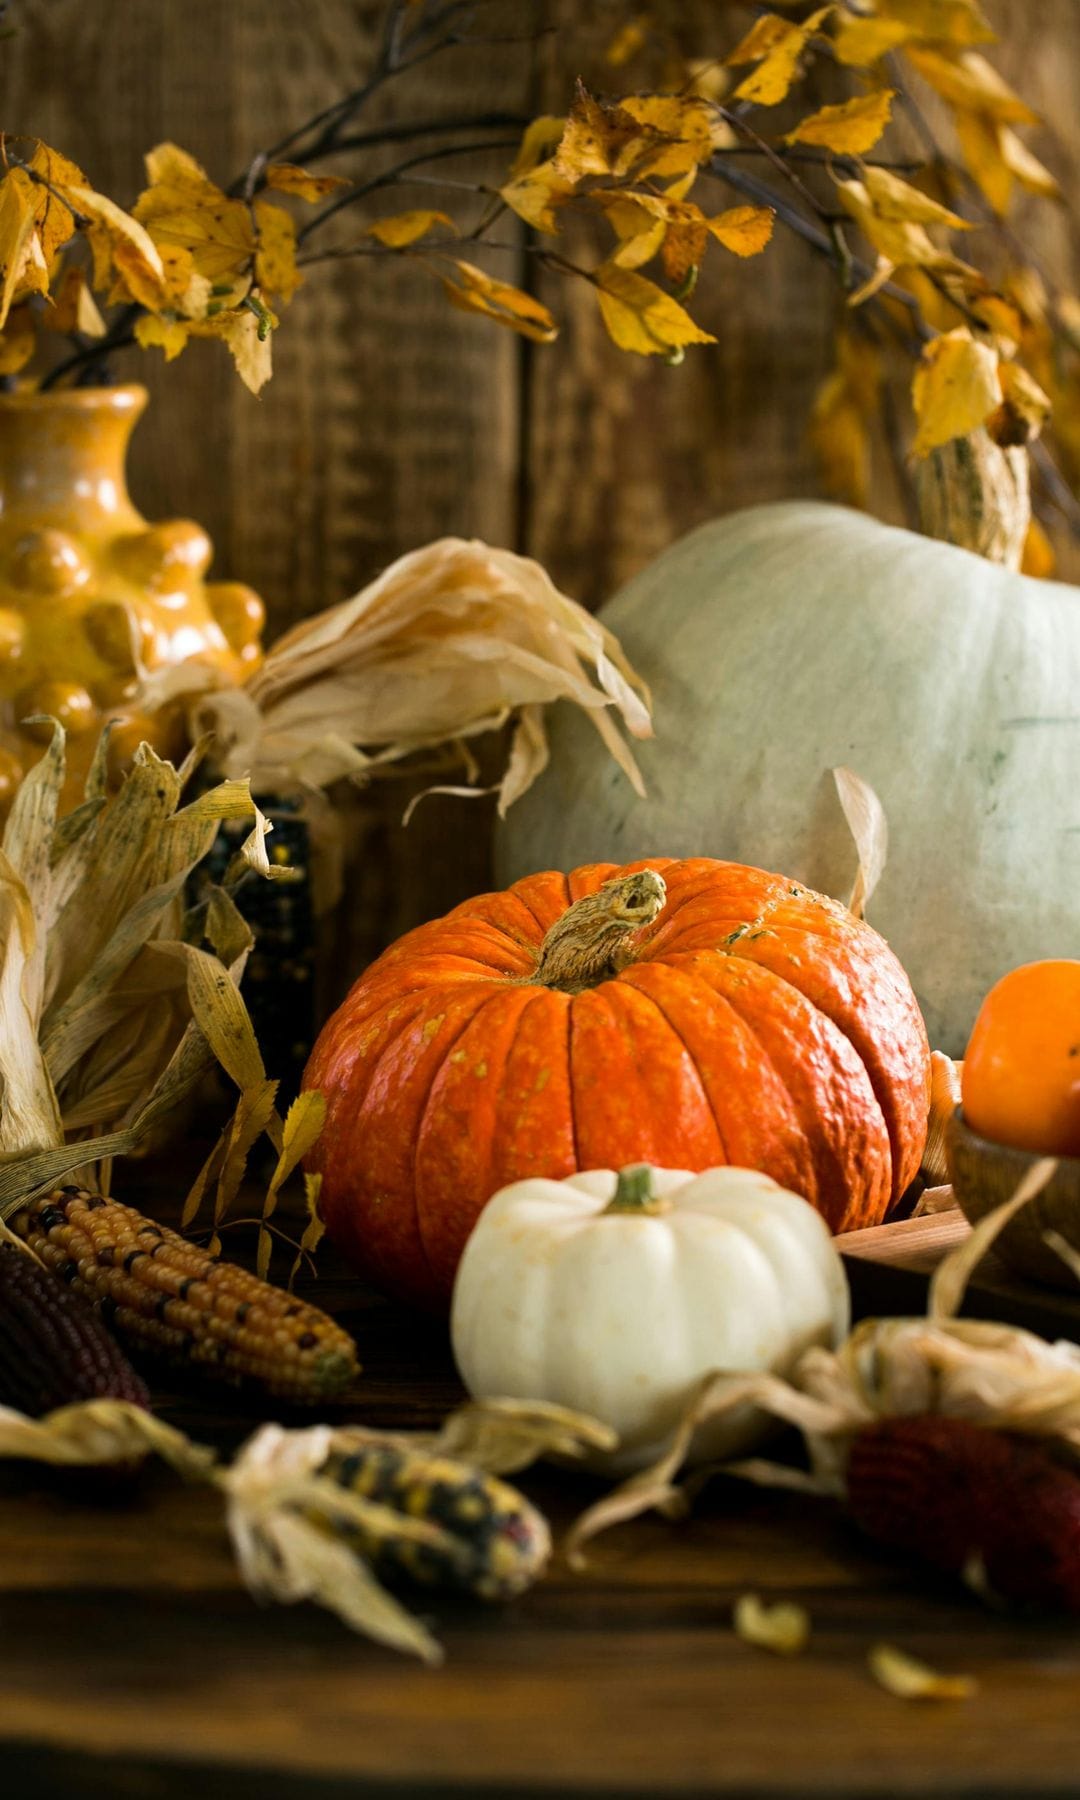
(488,1540)
(166,1298)
(54,1349)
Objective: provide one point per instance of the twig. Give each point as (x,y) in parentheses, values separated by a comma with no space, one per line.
(390,176)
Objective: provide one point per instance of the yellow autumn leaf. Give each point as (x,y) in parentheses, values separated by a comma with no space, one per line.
(1024,410)
(844,410)
(18,340)
(894,198)
(276,272)
(628,40)
(743,229)
(599,139)
(535,195)
(169,335)
(541,138)
(779,44)
(74,307)
(858,42)
(474,291)
(997,159)
(287,178)
(18,235)
(898,242)
(684,120)
(122,241)
(955,388)
(967,80)
(1038,557)
(240,331)
(405,228)
(55,223)
(640,223)
(183,207)
(851,128)
(952,22)
(640,316)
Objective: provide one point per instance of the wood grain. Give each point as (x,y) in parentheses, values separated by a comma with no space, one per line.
(143,1669)
(392,419)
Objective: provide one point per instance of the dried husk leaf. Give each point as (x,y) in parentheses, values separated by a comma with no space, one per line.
(909,1679)
(867,823)
(944,1100)
(447,644)
(100,1433)
(950,1279)
(782,1627)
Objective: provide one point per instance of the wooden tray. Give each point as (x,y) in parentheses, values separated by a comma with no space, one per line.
(889,1268)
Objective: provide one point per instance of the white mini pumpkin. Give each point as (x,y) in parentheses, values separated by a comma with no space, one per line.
(616,1295)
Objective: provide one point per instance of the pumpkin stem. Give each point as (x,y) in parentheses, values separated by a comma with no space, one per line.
(590,943)
(635,1193)
(976,493)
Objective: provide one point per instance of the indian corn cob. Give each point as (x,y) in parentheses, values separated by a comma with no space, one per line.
(165,1297)
(484,1536)
(54,1349)
(978,1502)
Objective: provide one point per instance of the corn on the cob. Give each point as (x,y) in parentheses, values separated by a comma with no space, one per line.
(487,1538)
(53,1347)
(167,1298)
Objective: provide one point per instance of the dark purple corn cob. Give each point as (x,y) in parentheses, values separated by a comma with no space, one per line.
(53,1347)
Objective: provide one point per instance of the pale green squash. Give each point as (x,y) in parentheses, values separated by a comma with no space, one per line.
(789,639)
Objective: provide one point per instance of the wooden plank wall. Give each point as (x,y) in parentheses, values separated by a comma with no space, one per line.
(392,419)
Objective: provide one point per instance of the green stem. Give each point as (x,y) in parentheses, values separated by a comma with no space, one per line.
(635,1193)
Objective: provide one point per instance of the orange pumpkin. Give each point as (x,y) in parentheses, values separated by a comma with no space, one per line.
(684,1014)
(1021,1074)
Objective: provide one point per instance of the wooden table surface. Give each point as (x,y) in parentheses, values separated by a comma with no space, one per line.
(137,1668)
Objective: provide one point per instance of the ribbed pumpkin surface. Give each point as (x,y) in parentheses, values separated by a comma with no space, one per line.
(758,1024)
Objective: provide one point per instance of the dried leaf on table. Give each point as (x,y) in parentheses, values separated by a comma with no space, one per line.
(909,1679)
(100,1433)
(781,1627)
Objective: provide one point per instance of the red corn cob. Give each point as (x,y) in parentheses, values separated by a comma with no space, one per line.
(53,1347)
(969,1499)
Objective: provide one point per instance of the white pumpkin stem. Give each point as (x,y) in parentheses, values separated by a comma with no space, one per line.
(977,494)
(636,1193)
(590,943)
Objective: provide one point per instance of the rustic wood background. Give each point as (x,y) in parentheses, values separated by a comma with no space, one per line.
(392,419)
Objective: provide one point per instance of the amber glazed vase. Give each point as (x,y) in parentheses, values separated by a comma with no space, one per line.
(92,597)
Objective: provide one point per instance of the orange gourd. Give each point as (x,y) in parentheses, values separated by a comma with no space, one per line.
(1021,1076)
(685,1014)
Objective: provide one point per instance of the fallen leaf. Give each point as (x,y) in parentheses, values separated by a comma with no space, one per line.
(908,1679)
(955,388)
(474,291)
(851,128)
(745,230)
(640,316)
(405,228)
(779,44)
(287,178)
(782,1627)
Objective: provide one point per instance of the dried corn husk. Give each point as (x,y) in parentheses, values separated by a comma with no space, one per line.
(110,1011)
(867,823)
(285,1510)
(987,1374)
(909,1679)
(449,643)
(781,1627)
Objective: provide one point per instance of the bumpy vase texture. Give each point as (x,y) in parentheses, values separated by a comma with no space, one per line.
(92,597)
